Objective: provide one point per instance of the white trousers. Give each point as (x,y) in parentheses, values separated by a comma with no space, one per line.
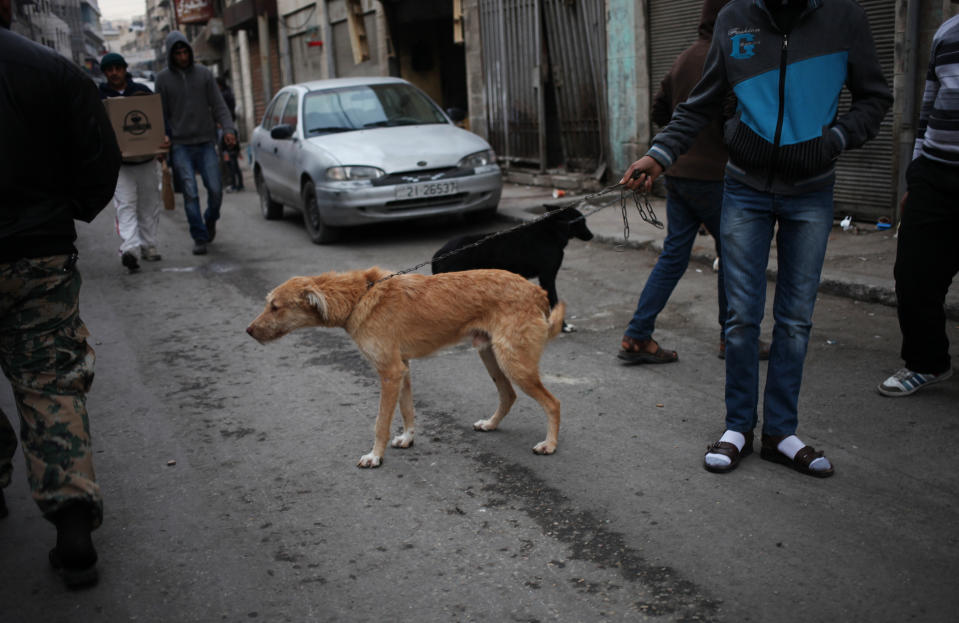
(137,199)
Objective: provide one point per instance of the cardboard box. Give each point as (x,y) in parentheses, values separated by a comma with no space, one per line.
(138,124)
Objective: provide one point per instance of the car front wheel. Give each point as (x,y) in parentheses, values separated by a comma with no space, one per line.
(270,209)
(320,232)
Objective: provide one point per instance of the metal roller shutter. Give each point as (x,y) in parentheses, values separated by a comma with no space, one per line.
(577,56)
(673,27)
(864,181)
(510,30)
(544,63)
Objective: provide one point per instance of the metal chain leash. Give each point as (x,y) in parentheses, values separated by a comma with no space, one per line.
(643,206)
(640,200)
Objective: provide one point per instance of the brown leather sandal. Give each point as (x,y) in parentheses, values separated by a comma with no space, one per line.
(801,462)
(634,351)
(729,450)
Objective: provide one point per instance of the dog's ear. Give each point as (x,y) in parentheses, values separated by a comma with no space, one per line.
(316,299)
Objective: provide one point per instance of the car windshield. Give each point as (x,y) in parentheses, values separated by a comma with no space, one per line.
(367,106)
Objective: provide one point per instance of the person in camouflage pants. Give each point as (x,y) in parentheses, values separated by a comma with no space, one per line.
(45,355)
(51,174)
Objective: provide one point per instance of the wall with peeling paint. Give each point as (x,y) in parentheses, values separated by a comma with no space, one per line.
(627,80)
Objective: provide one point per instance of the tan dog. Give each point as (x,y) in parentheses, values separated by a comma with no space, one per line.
(409,316)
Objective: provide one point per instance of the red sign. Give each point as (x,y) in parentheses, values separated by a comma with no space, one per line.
(194,11)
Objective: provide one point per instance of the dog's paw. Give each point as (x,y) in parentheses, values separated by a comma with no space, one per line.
(568,328)
(544,447)
(484,426)
(404,440)
(370,460)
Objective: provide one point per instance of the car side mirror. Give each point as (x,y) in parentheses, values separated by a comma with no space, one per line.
(282,131)
(456,114)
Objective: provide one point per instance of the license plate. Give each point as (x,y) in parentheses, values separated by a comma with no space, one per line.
(425,189)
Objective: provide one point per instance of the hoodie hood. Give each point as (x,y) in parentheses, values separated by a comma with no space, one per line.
(172,39)
(707,20)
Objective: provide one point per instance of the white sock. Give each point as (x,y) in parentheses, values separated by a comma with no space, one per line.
(721,460)
(792,444)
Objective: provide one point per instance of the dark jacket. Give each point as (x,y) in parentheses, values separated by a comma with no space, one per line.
(785,136)
(192,103)
(59,158)
(132,88)
(706,158)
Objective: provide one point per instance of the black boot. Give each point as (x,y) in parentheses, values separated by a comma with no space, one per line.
(74,557)
(3,506)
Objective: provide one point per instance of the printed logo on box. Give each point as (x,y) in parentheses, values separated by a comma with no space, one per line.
(136,123)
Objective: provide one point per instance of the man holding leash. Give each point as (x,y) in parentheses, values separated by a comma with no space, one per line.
(694,187)
(137,197)
(786,61)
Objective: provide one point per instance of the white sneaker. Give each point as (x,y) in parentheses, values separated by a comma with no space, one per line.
(906,382)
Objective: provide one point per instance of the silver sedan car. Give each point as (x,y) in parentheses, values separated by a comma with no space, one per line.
(352,151)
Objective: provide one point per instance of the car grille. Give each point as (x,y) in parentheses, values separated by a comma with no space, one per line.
(424,202)
(422,175)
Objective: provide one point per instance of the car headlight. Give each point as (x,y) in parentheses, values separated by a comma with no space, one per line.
(479,159)
(352,174)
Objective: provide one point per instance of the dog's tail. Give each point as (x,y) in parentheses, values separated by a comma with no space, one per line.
(556,319)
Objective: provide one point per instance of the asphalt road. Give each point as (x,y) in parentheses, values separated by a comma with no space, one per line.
(231,491)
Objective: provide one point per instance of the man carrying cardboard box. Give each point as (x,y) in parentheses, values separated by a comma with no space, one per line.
(137,196)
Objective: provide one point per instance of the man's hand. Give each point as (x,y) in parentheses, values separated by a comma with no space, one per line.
(902,202)
(230,139)
(641,174)
(165,145)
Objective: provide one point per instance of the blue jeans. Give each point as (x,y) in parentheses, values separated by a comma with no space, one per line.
(689,203)
(188,160)
(749,218)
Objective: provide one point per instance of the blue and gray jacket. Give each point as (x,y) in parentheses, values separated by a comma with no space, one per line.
(785,135)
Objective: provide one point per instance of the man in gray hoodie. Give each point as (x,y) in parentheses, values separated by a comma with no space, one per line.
(192,108)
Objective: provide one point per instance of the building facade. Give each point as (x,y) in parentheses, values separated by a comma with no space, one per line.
(544,124)
(71,27)
(561,88)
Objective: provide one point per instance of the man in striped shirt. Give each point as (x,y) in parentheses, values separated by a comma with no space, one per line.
(927,257)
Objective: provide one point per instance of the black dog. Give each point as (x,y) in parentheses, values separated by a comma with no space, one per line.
(533,251)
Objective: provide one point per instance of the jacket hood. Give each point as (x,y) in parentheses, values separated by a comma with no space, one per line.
(172,39)
(707,20)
